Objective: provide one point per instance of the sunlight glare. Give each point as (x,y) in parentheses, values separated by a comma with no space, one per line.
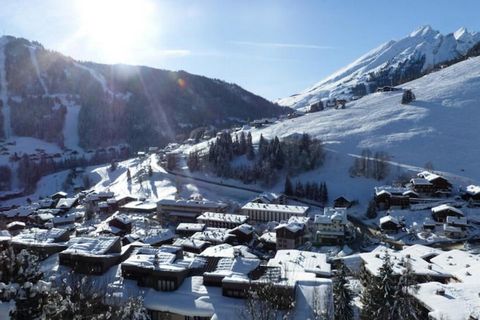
(117,28)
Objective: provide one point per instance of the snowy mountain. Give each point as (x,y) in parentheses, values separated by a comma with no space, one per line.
(441,126)
(392,63)
(54,98)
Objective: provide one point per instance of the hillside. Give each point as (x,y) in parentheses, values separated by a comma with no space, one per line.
(437,127)
(49,96)
(392,63)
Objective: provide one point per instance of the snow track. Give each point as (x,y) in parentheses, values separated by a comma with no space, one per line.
(33,57)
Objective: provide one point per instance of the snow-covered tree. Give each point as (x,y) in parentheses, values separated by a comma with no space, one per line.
(342,295)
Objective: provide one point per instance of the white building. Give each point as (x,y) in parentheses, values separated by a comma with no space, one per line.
(272,212)
(330,226)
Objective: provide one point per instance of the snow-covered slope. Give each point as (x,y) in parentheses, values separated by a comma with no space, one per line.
(440,126)
(391,63)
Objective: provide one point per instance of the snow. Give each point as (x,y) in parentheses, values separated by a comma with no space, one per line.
(70,126)
(423,42)
(301,265)
(432,128)
(453,301)
(299,210)
(222,217)
(39,236)
(7,126)
(33,57)
(90,246)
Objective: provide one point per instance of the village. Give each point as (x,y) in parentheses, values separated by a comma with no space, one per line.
(202,258)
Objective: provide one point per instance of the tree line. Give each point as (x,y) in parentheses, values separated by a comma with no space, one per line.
(309,190)
(262,164)
(371,165)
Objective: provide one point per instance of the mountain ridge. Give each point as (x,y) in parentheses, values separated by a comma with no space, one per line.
(391,63)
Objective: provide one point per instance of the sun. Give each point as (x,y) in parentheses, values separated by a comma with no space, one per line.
(116,27)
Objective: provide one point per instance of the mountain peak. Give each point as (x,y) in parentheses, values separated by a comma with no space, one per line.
(423,31)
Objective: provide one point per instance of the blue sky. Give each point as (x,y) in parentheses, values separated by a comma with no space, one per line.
(272,47)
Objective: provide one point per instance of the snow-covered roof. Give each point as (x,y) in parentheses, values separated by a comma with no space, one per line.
(453,301)
(473,190)
(299,210)
(389,218)
(374,260)
(191,203)
(463,265)
(223,217)
(193,227)
(245,228)
(430,176)
(5,235)
(270,237)
(158,235)
(237,266)
(443,207)
(420,182)
(390,190)
(298,219)
(191,243)
(291,226)
(332,214)
(212,234)
(16,224)
(160,259)
(140,205)
(66,203)
(193,299)
(39,236)
(90,246)
(421,251)
(301,265)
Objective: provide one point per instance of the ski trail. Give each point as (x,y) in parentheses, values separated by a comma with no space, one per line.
(7,125)
(70,126)
(33,57)
(97,76)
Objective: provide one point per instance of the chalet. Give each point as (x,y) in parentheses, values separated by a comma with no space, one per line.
(422,186)
(472,194)
(316,106)
(161,268)
(269,240)
(270,198)
(188,229)
(15,227)
(158,237)
(390,224)
(441,212)
(67,219)
(92,255)
(222,220)
(429,224)
(215,236)
(421,259)
(439,183)
(289,235)
(330,226)
(58,195)
(272,212)
(66,204)
(122,222)
(244,233)
(191,245)
(453,232)
(42,242)
(341,202)
(387,197)
(186,210)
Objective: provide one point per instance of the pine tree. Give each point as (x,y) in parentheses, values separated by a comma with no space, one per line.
(288,189)
(342,295)
(378,296)
(129,175)
(249,147)
(371,210)
(325,193)
(406,306)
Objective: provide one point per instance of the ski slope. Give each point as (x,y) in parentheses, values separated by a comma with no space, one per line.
(441,126)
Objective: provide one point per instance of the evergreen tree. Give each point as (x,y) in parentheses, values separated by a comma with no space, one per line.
(371,210)
(342,295)
(288,189)
(129,175)
(324,193)
(242,148)
(408,96)
(378,295)
(249,147)
(406,306)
